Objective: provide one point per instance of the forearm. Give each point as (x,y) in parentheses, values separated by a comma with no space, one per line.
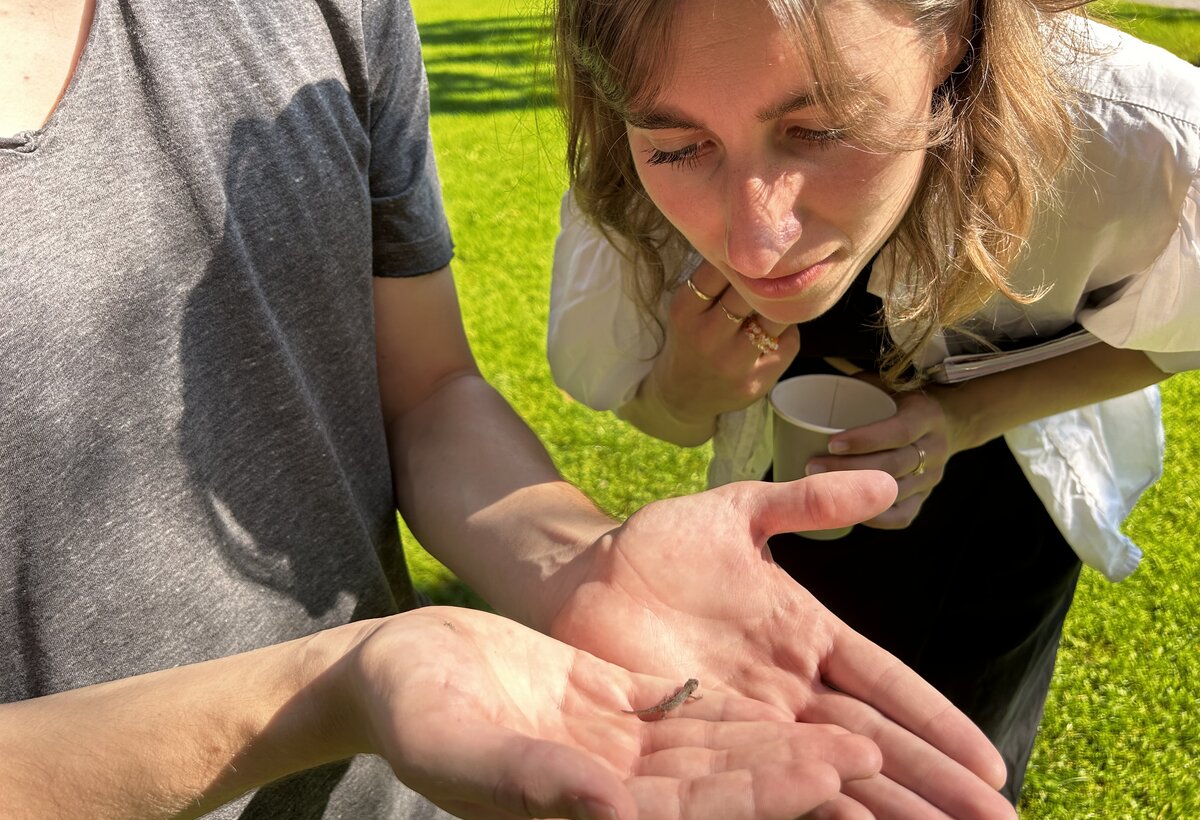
(651,412)
(480,492)
(987,407)
(178,742)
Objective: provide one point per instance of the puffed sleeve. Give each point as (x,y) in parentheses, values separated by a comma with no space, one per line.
(598,344)
(1158,310)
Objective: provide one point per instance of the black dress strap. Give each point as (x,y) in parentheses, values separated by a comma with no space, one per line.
(852,329)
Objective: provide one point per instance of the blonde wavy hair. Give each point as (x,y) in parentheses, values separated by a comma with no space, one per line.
(998,132)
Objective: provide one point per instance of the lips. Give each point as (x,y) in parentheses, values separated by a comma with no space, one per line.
(790,285)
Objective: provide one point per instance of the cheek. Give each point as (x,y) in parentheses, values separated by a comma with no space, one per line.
(687,204)
(878,187)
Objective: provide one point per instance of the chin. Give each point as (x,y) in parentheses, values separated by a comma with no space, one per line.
(793,313)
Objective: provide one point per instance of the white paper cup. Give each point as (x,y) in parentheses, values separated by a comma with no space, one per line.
(808,410)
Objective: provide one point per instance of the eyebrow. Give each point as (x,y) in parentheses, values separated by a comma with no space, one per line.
(664,118)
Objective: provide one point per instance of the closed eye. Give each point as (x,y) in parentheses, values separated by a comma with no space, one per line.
(824,139)
(685,156)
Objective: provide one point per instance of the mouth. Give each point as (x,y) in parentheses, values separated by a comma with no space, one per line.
(789,285)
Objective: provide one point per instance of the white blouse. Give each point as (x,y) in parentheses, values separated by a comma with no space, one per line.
(1121,258)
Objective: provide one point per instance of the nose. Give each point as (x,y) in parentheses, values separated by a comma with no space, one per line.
(762,220)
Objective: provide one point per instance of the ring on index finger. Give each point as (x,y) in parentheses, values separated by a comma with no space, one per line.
(704,297)
(920,468)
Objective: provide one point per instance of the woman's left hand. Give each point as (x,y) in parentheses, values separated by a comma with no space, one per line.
(913,446)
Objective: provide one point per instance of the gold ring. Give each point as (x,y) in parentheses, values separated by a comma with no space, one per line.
(765,342)
(920,468)
(733,317)
(704,297)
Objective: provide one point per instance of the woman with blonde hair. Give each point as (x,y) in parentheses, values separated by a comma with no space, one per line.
(765,188)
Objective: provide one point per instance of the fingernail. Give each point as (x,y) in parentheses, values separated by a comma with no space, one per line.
(837,446)
(813,469)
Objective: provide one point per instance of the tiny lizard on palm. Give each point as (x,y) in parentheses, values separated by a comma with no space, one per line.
(669,703)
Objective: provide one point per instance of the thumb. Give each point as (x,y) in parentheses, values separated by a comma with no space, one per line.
(818,502)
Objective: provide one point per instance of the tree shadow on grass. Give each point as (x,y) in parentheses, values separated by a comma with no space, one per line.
(488,65)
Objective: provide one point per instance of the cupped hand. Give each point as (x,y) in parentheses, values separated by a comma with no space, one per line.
(687,588)
(490,719)
(709,364)
(912,446)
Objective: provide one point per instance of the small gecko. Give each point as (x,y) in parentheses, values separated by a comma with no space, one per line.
(671,702)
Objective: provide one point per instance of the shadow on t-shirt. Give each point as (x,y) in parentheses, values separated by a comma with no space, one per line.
(281,428)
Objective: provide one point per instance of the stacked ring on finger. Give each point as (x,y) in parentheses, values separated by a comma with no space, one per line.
(920,468)
(704,297)
(765,342)
(731,316)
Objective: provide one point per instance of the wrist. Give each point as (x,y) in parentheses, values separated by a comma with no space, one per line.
(674,406)
(328,702)
(968,422)
(525,548)
(314,717)
(569,530)
(654,412)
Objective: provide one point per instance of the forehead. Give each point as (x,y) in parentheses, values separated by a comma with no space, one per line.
(738,30)
(736,42)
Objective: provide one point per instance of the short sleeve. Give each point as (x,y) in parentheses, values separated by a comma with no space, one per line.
(410,234)
(598,344)
(1158,310)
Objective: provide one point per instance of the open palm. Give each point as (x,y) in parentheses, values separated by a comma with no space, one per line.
(686,588)
(490,719)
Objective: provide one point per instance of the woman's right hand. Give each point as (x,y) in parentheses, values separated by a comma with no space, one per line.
(710,362)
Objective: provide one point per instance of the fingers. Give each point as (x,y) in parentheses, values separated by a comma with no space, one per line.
(888,800)
(681,768)
(919,420)
(859,668)
(709,280)
(779,791)
(901,461)
(928,781)
(912,446)
(819,502)
(902,513)
(692,748)
(496,772)
(708,291)
(704,290)
(842,807)
(717,341)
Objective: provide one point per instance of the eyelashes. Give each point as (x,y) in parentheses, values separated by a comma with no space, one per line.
(823,139)
(684,157)
(689,155)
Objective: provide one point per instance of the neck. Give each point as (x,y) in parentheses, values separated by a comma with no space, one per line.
(40,45)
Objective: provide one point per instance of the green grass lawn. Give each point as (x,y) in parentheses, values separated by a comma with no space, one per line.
(1121,732)
(1176,30)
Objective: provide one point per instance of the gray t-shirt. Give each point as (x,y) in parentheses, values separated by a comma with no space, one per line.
(192,459)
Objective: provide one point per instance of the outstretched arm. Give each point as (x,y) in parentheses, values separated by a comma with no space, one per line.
(472,481)
(486,718)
